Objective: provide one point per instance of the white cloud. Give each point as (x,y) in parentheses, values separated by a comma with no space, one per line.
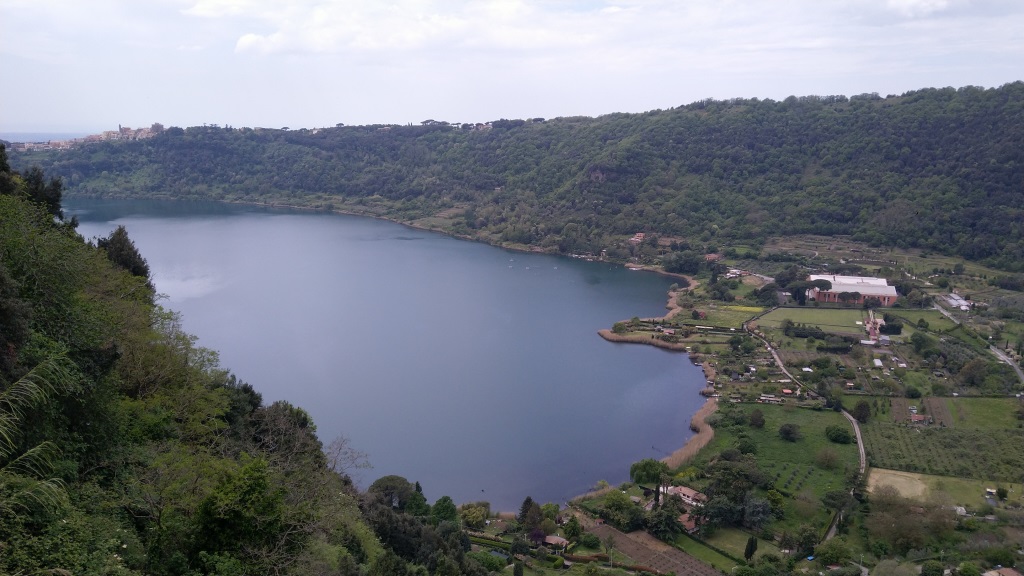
(916,8)
(393,60)
(224,8)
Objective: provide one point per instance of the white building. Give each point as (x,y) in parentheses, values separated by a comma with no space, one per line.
(862,286)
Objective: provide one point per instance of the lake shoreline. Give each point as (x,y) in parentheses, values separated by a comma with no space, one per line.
(703,435)
(703,432)
(671,414)
(511,247)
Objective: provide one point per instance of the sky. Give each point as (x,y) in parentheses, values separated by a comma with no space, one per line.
(74,65)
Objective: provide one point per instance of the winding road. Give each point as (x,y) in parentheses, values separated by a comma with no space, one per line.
(860,442)
(863,465)
(856,425)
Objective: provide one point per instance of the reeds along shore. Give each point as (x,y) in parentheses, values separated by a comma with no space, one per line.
(640,339)
(704,434)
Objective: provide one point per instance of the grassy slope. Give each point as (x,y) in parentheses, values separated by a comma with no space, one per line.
(793,465)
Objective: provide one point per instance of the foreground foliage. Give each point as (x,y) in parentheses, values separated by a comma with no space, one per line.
(126,449)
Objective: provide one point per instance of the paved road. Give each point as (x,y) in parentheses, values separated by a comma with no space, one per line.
(946,314)
(1002,356)
(995,351)
(863,466)
(778,362)
(860,441)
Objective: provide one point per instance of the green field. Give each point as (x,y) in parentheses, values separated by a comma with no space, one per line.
(793,467)
(726,316)
(734,541)
(701,552)
(937,321)
(984,413)
(773,449)
(828,319)
(947,490)
(709,343)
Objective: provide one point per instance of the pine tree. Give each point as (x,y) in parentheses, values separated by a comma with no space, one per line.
(524,510)
(751,548)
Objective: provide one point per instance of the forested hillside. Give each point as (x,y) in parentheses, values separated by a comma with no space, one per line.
(126,449)
(940,169)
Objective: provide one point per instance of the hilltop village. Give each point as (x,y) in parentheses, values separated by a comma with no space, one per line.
(123,133)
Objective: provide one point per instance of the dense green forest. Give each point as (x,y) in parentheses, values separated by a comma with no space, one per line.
(937,169)
(126,449)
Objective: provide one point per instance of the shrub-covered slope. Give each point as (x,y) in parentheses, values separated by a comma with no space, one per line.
(940,169)
(126,449)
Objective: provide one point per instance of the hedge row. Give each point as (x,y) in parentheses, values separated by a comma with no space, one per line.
(489,542)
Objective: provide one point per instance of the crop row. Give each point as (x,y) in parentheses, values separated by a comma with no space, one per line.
(992,455)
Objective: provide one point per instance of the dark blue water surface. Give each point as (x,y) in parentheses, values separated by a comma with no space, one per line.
(475,370)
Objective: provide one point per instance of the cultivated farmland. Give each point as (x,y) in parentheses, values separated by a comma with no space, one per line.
(938,409)
(985,413)
(900,410)
(979,454)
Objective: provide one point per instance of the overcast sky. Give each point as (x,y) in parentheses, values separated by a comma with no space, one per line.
(89,65)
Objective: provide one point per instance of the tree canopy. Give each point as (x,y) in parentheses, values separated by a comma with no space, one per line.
(936,169)
(126,449)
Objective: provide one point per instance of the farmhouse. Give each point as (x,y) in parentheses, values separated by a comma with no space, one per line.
(689,523)
(556,542)
(853,289)
(689,496)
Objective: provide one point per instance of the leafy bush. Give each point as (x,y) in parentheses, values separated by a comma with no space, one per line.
(590,540)
(839,434)
(790,432)
(489,561)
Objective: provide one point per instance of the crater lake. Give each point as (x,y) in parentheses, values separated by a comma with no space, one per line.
(474,370)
